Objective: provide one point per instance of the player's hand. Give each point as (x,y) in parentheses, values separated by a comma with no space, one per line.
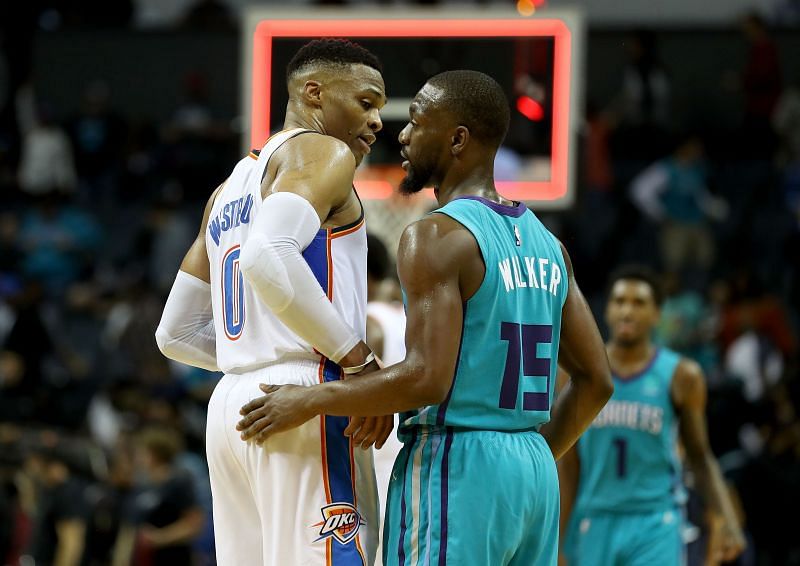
(366,431)
(282,408)
(726,542)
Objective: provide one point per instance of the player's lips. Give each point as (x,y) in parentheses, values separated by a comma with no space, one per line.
(366,142)
(406,163)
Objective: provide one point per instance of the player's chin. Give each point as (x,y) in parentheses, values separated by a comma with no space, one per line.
(409,186)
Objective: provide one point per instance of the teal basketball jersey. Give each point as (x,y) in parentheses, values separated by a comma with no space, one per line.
(506,367)
(628,460)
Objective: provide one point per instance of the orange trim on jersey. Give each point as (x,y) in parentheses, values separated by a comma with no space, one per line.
(252,156)
(330,266)
(349,230)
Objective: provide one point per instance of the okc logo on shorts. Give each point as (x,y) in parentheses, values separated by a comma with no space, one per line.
(340,521)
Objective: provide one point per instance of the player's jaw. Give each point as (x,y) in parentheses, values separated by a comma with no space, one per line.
(628,332)
(417,177)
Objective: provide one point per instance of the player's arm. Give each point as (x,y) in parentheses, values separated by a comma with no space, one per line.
(689,396)
(583,356)
(186,331)
(70,534)
(430,255)
(312,183)
(568,474)
(569,468)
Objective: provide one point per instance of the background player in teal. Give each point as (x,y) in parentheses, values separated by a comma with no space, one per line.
(492,306)
(621,485)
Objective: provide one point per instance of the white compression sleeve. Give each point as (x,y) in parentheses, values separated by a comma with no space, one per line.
(186,331)
(272,262)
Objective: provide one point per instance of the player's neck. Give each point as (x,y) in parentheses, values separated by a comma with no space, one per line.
(303,120)
(479,182)
(626,358)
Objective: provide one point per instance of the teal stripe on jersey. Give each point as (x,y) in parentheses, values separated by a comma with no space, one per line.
(508,352)
(628,460)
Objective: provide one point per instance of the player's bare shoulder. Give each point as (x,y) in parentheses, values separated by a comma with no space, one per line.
(313,153)
(688,384)
(440,247)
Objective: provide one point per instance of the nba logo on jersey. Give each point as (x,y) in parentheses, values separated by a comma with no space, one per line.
(341,521)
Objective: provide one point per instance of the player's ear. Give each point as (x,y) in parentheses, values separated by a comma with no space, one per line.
(459,140)
(312,93)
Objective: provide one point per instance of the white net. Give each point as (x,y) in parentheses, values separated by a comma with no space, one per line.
(388,218)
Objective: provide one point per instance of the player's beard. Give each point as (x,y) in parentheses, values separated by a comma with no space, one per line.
(415,180)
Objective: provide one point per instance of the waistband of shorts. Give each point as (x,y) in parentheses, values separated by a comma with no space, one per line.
(293,364)
(442,430)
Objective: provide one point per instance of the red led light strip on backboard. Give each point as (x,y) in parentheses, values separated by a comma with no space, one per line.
(553,189)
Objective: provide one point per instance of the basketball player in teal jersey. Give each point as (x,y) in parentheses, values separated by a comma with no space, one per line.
(492,308)
(621,487)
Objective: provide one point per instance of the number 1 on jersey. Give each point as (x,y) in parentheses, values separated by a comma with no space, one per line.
(523,344)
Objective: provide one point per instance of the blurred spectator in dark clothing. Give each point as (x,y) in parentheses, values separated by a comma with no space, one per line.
(197,143)
(59,512)
(23,355)
(751,306)
(673,193)
(98,135)
(56,241)
(168,517)
(643,104)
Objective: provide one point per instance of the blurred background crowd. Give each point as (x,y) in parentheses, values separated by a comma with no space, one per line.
(688,161)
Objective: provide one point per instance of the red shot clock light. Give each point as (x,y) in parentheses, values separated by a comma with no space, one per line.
(555,30)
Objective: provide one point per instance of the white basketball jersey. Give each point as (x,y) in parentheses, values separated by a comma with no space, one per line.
(249,335)
(392,319)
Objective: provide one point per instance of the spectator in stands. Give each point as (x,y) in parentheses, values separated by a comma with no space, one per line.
(673,193)
(167,515)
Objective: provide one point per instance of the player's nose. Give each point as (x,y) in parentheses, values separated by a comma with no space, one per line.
(374,121)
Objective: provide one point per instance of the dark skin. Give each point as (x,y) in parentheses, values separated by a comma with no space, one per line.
(441,267)
(341,103)
(632,313)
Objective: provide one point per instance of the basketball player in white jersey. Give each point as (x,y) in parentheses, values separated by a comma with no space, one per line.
(386,336)
(274,290)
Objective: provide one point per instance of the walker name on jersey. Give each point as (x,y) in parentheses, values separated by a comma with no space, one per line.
(340,521)
(233,214)
(631,414)
(519,272)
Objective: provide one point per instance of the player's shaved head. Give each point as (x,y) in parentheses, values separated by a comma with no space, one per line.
(476,101)
(330,54)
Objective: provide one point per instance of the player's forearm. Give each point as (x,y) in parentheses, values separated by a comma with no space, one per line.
(184,530)
(712,488)
(186,331)
(273,265)
(401,387)
(574,411)
(71,535)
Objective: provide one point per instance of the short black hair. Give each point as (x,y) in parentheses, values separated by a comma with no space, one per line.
(334,51)
(476,101)
(377,258)
(638,273)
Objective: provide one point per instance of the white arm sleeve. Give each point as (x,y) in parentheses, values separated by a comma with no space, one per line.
(272,262)
(186,331)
